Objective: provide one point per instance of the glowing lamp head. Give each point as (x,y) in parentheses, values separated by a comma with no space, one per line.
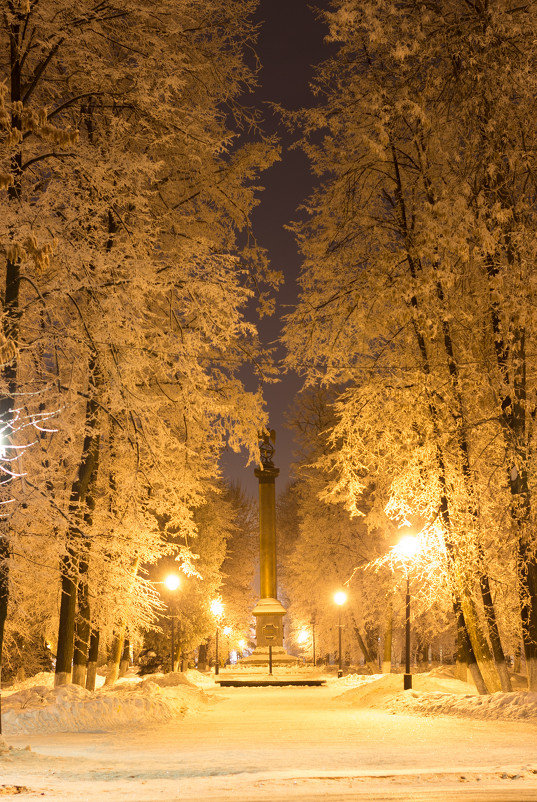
(172,581)
(408,547)
(302,636)
(217,608)
(340,597)
(227,631)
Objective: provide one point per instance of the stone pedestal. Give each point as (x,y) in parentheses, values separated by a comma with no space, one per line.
(269,632)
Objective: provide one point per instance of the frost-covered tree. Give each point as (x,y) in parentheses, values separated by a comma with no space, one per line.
(416,299)
(123,200)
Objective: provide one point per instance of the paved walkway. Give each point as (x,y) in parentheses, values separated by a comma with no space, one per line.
(288,743)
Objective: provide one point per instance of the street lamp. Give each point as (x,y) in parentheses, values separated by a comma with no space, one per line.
(172,582)
(340,598)
(407,549)
(217,609)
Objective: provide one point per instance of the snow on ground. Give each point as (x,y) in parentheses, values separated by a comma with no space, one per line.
(35,706)
(182,737)
(437,694)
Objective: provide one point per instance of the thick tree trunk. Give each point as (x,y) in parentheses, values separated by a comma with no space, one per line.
(202,657)
(461,663)
(112,673)
(495,641)
(125,661)
(83,621)
(479,642)
(4,596)
(93,657)
(81,636)
(370,663)
(66,628)
(69,569)
(516,659)
(11,310)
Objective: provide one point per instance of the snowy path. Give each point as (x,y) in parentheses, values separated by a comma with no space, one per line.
(285,743)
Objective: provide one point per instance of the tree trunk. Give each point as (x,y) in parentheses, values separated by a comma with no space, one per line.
(11,308)
(4,596)
(202,657)
(81,637)
(370,664)
(112,673)
(467,650)
(497,649)
(93,657)
(125,658)
(517,667)
(461,663)
(479,642)
(69,568)
(388,636)
(83,621)
(66,628)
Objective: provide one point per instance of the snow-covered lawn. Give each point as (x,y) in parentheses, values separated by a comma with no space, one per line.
(181,737)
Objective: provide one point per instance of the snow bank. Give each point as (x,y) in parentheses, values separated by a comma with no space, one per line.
(517,705)
(436,694)
(31,708)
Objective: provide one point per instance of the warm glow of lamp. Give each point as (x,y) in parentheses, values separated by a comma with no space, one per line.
(242,644)
(217,608)
(172,581)
(408,547)
(227,631)
(340,597)
(302,636)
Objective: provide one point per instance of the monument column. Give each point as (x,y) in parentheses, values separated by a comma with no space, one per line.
(268,611)
(267,530)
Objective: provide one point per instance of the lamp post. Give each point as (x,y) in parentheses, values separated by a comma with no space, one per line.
(340,598)
(172,582)
(217,609)
(313,641)
(227,633)
(407,549)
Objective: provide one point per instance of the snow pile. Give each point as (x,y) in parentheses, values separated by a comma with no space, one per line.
(517,705)
(378,690)
(436,694)
(357,680)
(70,708)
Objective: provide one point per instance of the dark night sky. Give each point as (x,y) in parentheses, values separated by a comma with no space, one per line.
(290,43)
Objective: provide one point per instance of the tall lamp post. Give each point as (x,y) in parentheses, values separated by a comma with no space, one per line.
(340,598)
(227,633)
(407,549)
(172,582)
(217,609)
